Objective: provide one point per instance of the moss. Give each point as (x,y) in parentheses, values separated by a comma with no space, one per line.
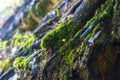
(43,6)
(20,62)
(4,64)
(30,39)
(67,65)
(25,40)
(57,12)
(63,38)
(54,38)
(101,13)
(66,30)
(17,62)
(108,9)
(68,56)
(92,33)
(3,45)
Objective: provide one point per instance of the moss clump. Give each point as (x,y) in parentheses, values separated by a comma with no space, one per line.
(17,62)
(4,64)
(67,65)
(20,62)
(59,36)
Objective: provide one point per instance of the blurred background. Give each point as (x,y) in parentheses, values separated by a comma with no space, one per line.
(7,8)
(18,19)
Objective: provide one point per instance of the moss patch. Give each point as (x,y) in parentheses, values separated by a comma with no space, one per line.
(20,62)
(59,36)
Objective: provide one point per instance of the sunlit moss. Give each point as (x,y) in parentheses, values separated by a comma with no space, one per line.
(20,62)
(54,38)
(3,45)
(22,40)
(17,62)
(29,40)
(4,64)
(57,11)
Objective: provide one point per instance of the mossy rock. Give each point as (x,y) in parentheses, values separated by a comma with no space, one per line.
(63,38)
(59,36)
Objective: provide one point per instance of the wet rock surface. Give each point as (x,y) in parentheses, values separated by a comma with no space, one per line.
(73,45)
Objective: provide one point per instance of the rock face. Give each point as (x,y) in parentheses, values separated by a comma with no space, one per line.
(90,49)
(76,40)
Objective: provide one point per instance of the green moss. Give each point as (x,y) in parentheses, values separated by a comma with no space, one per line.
(107,10)
(25,40)
(101,13)
(17,62)
(92,33)
(29,40)
(67,65)
(57,12)
(67,60)
(20,62)
(72,44)
(3,44)
(4,64)
(54,39)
